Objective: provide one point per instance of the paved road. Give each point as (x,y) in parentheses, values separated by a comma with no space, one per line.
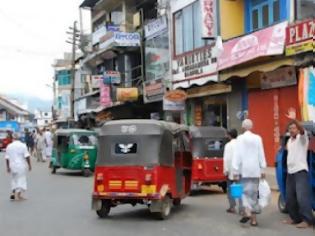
(60,205)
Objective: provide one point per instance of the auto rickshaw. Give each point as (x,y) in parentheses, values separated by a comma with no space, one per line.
(207,149)
(142,162)
(281,167)
(74,149)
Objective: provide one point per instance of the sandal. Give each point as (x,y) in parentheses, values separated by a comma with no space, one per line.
(231,210)
(244,220)
(254,224)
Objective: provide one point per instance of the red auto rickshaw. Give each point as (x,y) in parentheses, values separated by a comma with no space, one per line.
(207,148)
(5,138)
(142,162)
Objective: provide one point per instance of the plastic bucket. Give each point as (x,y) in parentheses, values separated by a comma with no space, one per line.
(236,190)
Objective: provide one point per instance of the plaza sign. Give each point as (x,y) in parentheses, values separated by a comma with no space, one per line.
(300,37)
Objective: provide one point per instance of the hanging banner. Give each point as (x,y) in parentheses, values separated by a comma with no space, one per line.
(209,18)
(127,94)
(105,98)
(153,91)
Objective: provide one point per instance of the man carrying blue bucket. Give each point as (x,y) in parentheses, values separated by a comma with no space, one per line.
(228,155)
(248,165)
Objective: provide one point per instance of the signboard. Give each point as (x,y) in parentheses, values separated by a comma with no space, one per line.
(120,39)
(98,34)
(153,90)
(197,67)
(300,37)
(266,42)
(173,106)
(209,18)
(127,94)
(279,78)
(64,104)
(105,98)
(154,27)
(174,100)
(111,77)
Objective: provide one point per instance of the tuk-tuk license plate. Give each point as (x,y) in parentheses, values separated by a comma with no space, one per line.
(148,189)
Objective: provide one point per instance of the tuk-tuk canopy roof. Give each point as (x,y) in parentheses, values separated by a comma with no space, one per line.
(67,132)
(141,127)
(207,132)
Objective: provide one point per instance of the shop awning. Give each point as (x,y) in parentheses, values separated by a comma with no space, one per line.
(186,83)
(208,90)
(258,67)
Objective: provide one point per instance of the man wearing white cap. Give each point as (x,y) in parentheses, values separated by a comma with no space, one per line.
(248,165)
(18,161)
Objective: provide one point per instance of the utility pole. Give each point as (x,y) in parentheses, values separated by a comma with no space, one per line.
(74,41)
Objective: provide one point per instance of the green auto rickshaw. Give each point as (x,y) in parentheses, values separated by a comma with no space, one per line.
(74,149)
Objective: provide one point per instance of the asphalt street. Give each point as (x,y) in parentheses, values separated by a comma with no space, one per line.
(60,205)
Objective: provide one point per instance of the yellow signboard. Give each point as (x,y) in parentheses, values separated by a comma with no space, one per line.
(300,47)
(127,94)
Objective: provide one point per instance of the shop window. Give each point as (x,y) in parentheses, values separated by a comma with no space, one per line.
(305,9)
(188,35)
(263,13)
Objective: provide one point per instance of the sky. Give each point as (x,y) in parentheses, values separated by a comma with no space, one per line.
(33,34)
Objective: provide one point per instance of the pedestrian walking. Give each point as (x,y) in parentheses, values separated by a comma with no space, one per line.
(228,154)
(298,188)
(248,165)
(17,161)
(48,143)
(40,147)
(29,140)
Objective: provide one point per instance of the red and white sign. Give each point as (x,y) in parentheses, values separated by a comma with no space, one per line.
(300,32)
(266,42)
(209,18)
(105,98)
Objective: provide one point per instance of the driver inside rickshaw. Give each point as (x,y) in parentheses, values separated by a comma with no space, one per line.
(84,140)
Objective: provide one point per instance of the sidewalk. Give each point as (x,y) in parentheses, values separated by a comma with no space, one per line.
(271,178)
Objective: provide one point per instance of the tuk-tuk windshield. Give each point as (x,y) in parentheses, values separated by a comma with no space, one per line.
(207,147)
(84,140)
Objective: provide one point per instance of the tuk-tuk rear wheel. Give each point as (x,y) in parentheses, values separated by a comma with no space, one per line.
(281,205)
(165,209)
(86,172)
(105,209)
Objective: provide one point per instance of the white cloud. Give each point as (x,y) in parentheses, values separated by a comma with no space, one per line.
(32,36)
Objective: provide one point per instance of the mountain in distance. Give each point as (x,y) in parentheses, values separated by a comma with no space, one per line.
(32,103)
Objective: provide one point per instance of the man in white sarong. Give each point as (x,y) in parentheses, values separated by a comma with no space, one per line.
(48,142)
(18,161)
(248,165)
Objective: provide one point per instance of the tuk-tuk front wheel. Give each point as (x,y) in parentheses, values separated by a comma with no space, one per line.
(105,209)
(165,208)
(282,205)
(53,169)
(86,172)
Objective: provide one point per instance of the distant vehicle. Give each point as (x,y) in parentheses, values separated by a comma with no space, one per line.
(74,149)
(142,162)
(5,127)
(207,149)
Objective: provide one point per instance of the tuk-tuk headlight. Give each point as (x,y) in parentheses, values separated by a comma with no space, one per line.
(86,158)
